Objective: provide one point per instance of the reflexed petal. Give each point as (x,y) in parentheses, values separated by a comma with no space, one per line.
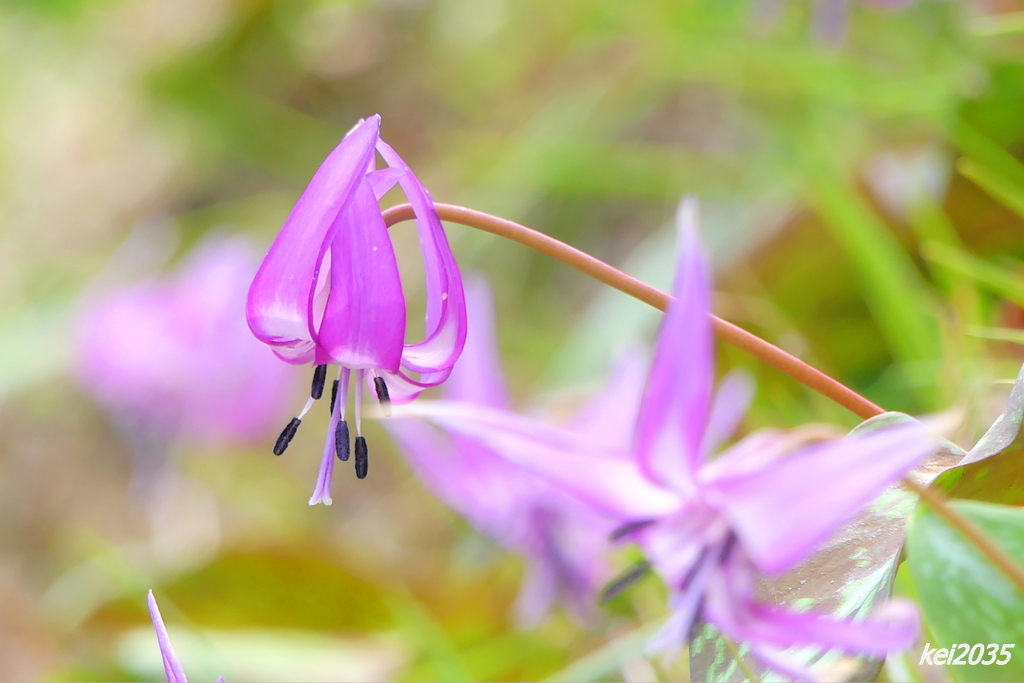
(383,180)
(478,377)
(404,389)
(446,305)
(536,596)
(732,606)
(172,668)
(892,628)
(732,400)
(279,307)
(612,485)
(783,511)
(563,540)
(466,476)
(674,413)
(364,323)
(609,417)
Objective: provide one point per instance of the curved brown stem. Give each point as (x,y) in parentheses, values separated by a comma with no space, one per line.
(774,356)
(599,270)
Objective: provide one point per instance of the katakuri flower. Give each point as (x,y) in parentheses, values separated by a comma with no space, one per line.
(710,528)
(329,293)
(564,541)
(170,357)
(172,667)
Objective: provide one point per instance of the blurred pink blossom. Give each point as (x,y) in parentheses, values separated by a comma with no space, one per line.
(172,355)
(564,541)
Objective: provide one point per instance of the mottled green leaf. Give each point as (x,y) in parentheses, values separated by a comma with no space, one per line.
(994,469)
(963,597)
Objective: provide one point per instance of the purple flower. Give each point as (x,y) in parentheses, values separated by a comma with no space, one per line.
(172,667)
(172,357)
(710,527)
(329,293)
(563,540)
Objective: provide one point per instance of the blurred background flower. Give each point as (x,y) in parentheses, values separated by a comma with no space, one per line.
(585,120)
(172,357)
(564,541)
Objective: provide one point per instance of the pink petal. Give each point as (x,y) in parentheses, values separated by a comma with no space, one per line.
(784,510)
(172,668)
(446,305)
(731,605)
(383,180)
(732,399)
(478,376)
(610,416)
(610,484)
(674,413)
(403,389)
(279,307)
(892,628)
(364,322)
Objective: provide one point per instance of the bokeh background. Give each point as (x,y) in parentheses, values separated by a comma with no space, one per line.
(862,196)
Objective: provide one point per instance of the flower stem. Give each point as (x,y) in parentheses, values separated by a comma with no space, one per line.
(599,270)
(748,674)
(971,531)
(751,343)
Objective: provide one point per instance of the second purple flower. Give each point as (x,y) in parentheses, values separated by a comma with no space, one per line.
(329,293)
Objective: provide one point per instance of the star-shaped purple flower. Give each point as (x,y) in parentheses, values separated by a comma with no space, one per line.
(564,541)
(711,527)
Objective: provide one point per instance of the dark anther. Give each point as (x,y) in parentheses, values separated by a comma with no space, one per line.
(341,440)
(382,390)
(319,380)
(629,529)
(625,580)
(691,574)
(727,547)
(286,436)
(362,458)
(334,395)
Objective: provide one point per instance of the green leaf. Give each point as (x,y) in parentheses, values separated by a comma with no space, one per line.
(893,288)
(609,658)
(998,186)
(963,597)
(996,279)
(1002,24)
(994,469)
(850,576)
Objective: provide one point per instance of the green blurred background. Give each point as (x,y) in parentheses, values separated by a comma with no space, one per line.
(862,198)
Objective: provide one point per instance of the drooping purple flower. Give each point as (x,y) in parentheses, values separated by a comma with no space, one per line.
(563,540)
(171,356)
(710,527)
(329,293)
(172,667)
